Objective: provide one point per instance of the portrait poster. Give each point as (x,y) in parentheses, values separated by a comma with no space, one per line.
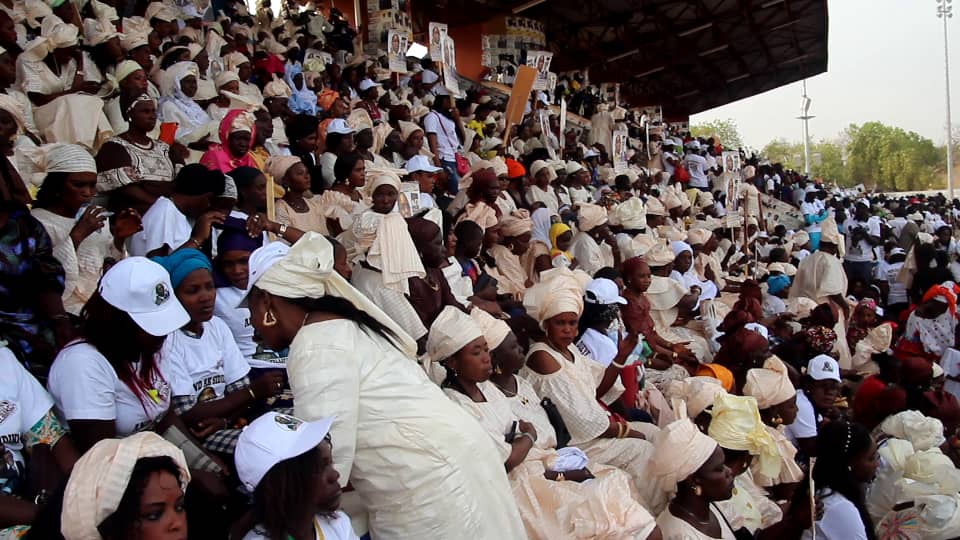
(450,67)
(397,45)
(620,146)
(438,33)
(731,161)
(540,60)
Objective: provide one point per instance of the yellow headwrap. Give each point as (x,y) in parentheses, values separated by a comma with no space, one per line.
(556,230)
(736,425)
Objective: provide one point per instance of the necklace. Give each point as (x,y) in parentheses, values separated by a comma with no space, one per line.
(694,517)
(432,284)
(148,146)
(506,392)
(305,317)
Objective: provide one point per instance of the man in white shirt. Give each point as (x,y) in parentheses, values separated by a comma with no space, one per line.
(444,133)
(863,234)
(697,166)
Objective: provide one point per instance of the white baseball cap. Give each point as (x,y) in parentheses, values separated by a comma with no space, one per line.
(420,163)
(273,438)
(339,125)
(259,262)
(366,84)
(823,367)
(142,288)
(591,153)
(603,291)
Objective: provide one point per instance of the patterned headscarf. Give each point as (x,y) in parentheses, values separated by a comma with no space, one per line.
(820,339)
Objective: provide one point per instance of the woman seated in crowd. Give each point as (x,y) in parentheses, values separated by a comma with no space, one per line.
(530,456)
(131,83)
(83,241)
(34,441)
(298,300)
(692,466)
(557,370)
(177,106)
(819,390)
(134,168)
(133,487)
(295,208)
(51,72)
(208,375)
(516,231)
(237,132)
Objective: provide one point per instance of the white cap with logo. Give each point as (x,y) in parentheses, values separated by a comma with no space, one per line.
(273,438)
(419,163)
(339,125)
(823,368)
(603,291)
(142,288)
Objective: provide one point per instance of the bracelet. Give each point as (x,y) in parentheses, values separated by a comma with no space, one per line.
(195,242)
(624,430)
(619,366)
(675,355)
(529,436)
(252,395)
(560,477)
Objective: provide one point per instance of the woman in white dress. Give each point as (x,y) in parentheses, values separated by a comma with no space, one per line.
(557,370)
(83,241)
(66,108)
(422,468)
(194,126)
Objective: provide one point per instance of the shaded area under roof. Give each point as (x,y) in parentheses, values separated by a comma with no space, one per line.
(688,56)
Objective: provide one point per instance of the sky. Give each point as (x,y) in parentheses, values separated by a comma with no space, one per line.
(885,63)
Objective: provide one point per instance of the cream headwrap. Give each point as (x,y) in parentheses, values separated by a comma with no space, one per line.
(359,119)
(499,166)
(655,207)
(125,69)
(100,478)
(641,244)
(15,109)
(244,121)
(233,60)
(659,255)
(277,166)
(541,165)
(96,31)
(381,176)
(494,330)
(630,214)
(697,392)
(276,88)
(160,11)
(591,216)
(830,233)
(769,385)
(820,275)
(54,34)
(451,331)
(517,223)
(670,199)
(57,157)
(800,239)
(480,213)
(559,291)
(698,237)
(306,271)
(224,78)
(680,450)
(924,432)
(736,425)
(407,129)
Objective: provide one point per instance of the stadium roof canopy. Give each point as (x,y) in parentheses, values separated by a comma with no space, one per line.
(688,56)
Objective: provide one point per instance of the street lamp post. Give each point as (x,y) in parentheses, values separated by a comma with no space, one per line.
(805,116)
(944,12)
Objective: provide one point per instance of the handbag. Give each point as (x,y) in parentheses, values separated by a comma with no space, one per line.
(681,173)
(463,164)
(553,414)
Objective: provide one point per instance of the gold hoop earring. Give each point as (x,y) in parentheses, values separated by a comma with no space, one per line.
(697,490)
(269,319)
(777,420)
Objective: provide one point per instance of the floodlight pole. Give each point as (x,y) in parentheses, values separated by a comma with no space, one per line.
(805,116)
(944,12)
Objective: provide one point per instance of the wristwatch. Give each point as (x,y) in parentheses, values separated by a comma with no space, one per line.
(283,229)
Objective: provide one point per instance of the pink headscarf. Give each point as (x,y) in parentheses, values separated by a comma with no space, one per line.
(219,158)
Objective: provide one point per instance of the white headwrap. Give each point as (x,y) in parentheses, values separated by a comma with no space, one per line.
(680,450)
(451,331)
(306,271)
(494,330)
(770,385)
(100,478)
(924,432)
(630,214)
(187,105)
(697,392)
(15,108)
(56,157)
(54,34)
(559,291)
(96,31)
(591,216)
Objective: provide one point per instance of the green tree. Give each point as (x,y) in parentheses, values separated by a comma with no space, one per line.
(790,154)
(831,166)
(888,158)
(725,130)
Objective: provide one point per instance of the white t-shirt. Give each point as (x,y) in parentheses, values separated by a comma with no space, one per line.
(597,347)
(812,208)
(203,366)
(163,224)
(805,426)
(446,132)
(697,166)
(889,272)
(336,528)
(841,520)
(861,251)
(237,318)
(23,403)
(667,166)
(86,387)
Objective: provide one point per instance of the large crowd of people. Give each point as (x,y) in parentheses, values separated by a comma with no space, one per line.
(253,284)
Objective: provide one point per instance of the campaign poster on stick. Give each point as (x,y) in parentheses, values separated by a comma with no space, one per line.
(731,161)
(397,51)
(563,124)
(450,67)
(438,33)
(620,151)
(540,60)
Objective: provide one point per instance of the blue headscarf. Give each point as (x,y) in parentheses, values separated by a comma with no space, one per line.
(180,263)
(303,99)
(777,283)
